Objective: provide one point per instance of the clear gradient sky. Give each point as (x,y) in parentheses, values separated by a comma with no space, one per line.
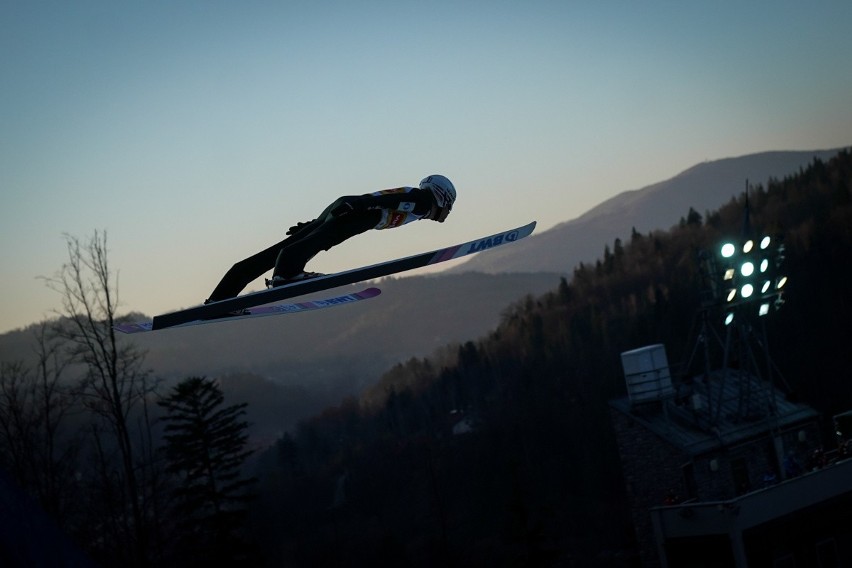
(196,132)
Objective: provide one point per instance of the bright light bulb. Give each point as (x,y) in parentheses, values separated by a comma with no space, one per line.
(781,283)
(749,244)
(764,265)
(729,318)
(764,309)
(731,295)
(765,287)
(764,243)
(747,269)
(729,274)
(747,291)
(728,250)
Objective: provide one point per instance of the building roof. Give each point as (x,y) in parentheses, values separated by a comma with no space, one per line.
(709,412)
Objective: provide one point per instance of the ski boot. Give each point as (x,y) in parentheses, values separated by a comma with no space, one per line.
(276,281)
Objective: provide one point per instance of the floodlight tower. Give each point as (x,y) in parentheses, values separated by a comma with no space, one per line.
(745,279)
(752,286)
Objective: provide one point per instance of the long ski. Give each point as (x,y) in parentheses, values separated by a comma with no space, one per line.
(262,311)
(341,278)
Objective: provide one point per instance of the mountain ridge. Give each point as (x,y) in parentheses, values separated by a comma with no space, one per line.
(704,186)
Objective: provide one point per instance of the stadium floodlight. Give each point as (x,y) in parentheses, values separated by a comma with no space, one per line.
(750,272)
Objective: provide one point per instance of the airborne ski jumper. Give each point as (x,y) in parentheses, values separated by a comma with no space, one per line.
(346,217)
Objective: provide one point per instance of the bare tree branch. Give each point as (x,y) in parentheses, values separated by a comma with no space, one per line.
(115,381)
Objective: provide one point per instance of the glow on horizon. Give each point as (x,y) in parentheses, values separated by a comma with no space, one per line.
(195,133)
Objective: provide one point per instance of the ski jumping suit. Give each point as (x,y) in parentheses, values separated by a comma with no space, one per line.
(346,217)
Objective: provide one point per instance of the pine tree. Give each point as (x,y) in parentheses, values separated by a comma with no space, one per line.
(205,449)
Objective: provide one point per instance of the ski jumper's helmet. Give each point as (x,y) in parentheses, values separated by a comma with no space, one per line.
(442,189)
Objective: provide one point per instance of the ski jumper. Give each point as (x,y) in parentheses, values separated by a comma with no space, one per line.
(346,217)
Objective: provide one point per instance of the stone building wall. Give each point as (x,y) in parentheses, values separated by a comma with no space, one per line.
(652,475)
(657,473)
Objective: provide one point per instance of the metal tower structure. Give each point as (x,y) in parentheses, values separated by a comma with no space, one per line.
(743,283)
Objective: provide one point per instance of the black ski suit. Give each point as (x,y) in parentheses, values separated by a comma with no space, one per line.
(346,217)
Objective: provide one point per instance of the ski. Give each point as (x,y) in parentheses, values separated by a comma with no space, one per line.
(262,311)
(340,278)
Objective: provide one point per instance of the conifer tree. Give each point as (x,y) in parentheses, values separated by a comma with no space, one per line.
(205,448)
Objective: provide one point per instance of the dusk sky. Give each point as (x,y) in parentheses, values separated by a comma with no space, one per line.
(196,133)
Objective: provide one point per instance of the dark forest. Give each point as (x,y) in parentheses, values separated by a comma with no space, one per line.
(499,452)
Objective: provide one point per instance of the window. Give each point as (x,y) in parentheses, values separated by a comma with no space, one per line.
(827,554)
(739,472)
(688,470)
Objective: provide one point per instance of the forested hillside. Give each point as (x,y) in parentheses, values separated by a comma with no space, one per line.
(500,452)
(494,451)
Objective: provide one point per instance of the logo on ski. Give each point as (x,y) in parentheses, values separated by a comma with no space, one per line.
(490,242)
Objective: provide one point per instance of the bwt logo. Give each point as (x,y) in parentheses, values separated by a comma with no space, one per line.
(494,241)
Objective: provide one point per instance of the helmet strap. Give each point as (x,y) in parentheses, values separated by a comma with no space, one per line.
(443,212)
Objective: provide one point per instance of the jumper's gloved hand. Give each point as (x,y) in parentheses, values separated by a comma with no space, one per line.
(298,227)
